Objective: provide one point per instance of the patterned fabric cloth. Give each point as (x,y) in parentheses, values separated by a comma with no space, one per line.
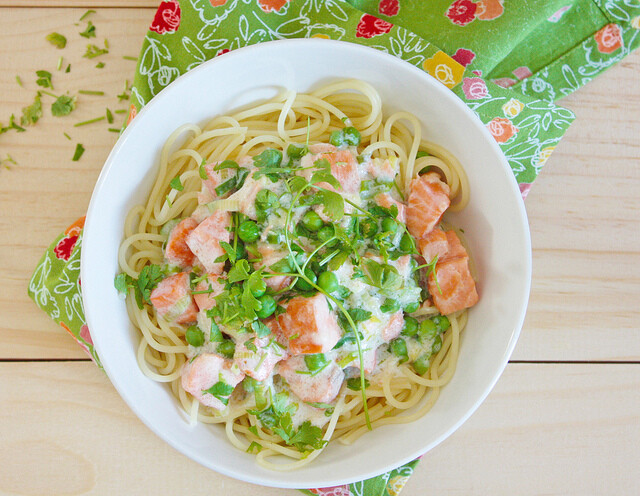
(508,63)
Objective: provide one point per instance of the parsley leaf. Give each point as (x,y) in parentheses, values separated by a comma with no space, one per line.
(78,153)
(308,436)
(12,125)
(57,40)
(123,282)
(202,171)
(220,390)
(268,158)
(64,105)
(230,252)
(176,184)
(149,277)
(355,385)
(260,329)
(383,276)
(44,79)
(257,447)
(32,113)
(93,51)
(333,204)
(239,272)
(90,32)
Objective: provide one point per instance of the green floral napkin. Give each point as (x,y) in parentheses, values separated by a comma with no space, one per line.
(508,63)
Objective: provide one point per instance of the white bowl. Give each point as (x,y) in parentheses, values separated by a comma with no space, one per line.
(494,222)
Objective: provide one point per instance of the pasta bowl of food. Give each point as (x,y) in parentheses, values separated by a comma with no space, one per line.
(305,263)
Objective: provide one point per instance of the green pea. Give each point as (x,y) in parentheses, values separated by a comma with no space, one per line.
(421,364)
(248,231)
(389,225)
(428,330)
(328,281)
(410,326)
(312,221)
(390,306)
(399,348)
(297,151)
(303,285)
(337,138)
(268,306)
(194,336)
(368,228)
(227,348)
(437,345)
(351,136)
(257,287)
(326,233)
(442,322)
(406,243)
(412,307)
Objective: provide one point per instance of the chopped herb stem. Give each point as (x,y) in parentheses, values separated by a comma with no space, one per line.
(120,111)
(59,63)
(91,92)
(129,57)
(90,121)
(19,81)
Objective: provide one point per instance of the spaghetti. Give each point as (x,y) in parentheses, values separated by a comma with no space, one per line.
(406,367)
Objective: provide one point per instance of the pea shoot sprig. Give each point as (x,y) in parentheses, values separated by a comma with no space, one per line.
(299,186)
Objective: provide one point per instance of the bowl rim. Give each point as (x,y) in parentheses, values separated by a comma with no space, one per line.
(89,236)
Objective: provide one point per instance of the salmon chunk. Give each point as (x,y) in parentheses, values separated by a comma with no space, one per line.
(309,325)
(322,387)
(386,200)
(393,327)
(428,199)
(177,252)
(369,361)
(457,286)
(344,168)
(434,244)
(457,289)
(204,240)
(270,255)
(173,301)
(213,283)
(207,370)
(322,148)
(383,169)
(256,357)
(214,179)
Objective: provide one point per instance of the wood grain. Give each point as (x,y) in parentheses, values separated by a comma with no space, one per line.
(545,429)
(584,209)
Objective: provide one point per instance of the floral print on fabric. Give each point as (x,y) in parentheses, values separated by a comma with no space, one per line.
(609,38)
(389,7)
(475,88)
(272,5)
(332,491)
(444,69)
(463,12)
(463,56)
(167,18)
(370,26)
(502,129)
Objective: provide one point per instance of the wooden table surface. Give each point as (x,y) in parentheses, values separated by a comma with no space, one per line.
(563,419)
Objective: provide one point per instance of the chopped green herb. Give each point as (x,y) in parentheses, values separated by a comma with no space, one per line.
(32,113)
(99,65)
(91,92)
(90,121)
(90,31)
(12,125)
(176,184)
(59,66)
(63,105)
(19,81)
(201,170)
(120,111)
(355,385)
(93,51)
(78,153)
(57,40)
(257,447)
(113,130)
(129,57)
(67,136)
(87,14)
(68,69)
(44,79)
(109,117)
(220,390)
